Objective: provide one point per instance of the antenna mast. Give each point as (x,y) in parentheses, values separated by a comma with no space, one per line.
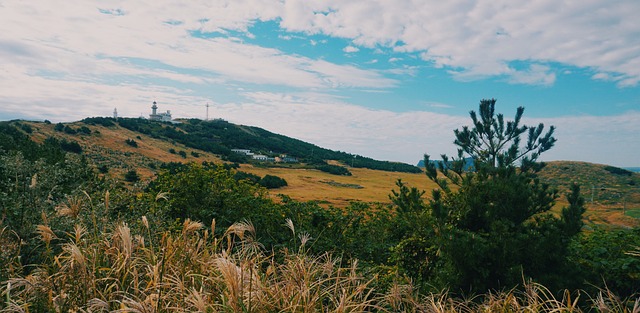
(207,111)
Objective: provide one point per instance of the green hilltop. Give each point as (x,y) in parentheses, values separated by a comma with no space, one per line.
(220,137)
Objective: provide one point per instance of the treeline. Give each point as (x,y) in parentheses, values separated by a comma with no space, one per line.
(220,137)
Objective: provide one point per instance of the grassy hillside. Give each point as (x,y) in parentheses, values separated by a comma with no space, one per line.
(220,137)
(74,241)
(612,195)
(106,145)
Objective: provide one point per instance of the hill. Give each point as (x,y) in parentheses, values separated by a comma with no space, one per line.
(110,146)
(220,137)
(612,194)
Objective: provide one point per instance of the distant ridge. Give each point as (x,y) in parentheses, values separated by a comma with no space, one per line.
(633,169)
(468,163)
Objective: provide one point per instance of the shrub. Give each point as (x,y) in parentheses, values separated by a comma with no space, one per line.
(239,175)
(70,130)
(618,171)
(27,129)
(131,142)
(103,169)
(334,169)
(272,182)
(70,146)
(131,176)
(103,121)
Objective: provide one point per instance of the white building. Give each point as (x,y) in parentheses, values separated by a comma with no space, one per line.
(260,157)
(241,151)
(155,116)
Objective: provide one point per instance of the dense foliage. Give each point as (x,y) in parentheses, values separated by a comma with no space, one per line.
(490,227)
(73,239)
(220,137)
(334,169)
(272,182)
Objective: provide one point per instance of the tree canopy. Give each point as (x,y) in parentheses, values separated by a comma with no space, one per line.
(495,225)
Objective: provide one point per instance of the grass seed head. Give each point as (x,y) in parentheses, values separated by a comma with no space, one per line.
(46,234)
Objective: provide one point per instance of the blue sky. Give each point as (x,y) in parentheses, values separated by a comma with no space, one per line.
(384,79)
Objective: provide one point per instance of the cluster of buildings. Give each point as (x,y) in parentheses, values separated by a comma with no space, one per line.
(283,158)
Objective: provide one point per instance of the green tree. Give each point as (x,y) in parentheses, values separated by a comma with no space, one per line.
(204,193)
(495,226)
(272,182)
(131,176)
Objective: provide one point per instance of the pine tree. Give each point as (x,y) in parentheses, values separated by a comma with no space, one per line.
(494,227)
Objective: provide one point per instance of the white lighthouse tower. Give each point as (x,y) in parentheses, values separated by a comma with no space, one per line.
(154,109)
(155,116)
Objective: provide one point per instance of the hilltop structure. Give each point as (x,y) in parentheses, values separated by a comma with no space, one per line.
(155,116)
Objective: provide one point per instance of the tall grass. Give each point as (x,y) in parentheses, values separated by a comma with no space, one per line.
(191,270)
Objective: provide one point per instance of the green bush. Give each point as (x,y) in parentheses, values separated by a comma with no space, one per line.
(131,142)
(334,169)
(131,176)
(70,146)
(272,182)
(239,175)
(103,121)
(70,130)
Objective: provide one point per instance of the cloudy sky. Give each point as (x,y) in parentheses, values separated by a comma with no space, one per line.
(388,79)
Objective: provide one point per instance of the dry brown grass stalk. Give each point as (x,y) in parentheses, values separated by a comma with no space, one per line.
(71,208)
(187,271)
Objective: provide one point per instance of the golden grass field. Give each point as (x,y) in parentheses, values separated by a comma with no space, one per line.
(314,185)
(108,146)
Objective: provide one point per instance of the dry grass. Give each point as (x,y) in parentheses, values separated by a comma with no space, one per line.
(108,146)
(309,185)
(189,270)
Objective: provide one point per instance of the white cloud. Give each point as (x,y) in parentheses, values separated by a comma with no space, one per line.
(598,139)
(480,38)
(536,75)
(330,122)
(439,105)
(63,35)
(71,59)
(350,49)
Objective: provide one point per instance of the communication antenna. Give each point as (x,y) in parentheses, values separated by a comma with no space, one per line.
(207,111)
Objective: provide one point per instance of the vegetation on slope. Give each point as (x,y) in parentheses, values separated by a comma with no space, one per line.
(73,239)
(220,137)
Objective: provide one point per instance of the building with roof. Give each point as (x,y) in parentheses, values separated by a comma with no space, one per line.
(155,116)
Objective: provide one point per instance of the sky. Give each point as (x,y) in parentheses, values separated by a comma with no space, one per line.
(387,79)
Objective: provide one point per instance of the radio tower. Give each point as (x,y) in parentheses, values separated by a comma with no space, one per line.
(207,111)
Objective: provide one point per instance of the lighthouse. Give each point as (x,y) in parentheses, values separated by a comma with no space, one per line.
(154,108)
(155,116)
